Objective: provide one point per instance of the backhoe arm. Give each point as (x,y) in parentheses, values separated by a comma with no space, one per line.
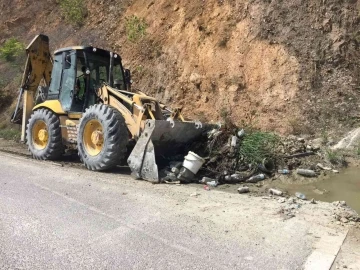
(38,66)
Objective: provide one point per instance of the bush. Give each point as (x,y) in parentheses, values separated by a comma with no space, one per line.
(135,28)
(11,49)
(74,11)
(258,145)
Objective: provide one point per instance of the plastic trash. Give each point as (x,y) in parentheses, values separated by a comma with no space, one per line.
(300,195)
(284,171)
(206,187)
(175,170)
(256,178)
(212,183)
(193,162)
(240,133)
(185,175)
(234,140)
(276,192)
(205,179)
(171,176)
(243,190)
(237,177)
(305,172)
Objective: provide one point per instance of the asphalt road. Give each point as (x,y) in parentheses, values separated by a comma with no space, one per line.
(54,217)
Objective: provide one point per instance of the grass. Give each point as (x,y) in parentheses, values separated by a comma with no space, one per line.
(11,49)
(74,11)
(258,145)
(10,134)
(335,157)
(135,28)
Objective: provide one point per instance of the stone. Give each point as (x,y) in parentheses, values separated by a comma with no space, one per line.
(350,141)
(344,220)
(195,78)
(281,200)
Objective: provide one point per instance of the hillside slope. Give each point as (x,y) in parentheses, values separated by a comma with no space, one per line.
(290,66)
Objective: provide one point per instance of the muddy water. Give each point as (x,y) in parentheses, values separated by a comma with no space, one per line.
(344,186)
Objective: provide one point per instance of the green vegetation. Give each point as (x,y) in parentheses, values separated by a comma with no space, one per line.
(135,28)
(11,49)
(258,145)
(74,11)
(10,134)
(335,157)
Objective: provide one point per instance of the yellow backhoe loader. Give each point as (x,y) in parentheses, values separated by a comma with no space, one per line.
(81,99)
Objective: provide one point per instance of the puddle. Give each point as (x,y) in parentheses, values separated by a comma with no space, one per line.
(344,186)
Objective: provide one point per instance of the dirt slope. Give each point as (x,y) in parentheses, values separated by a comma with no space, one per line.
(289,66)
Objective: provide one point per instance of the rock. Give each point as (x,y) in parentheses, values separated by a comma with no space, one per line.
(291,200)
(339,203)
(344,220)
(313,201)
(350,141)
(316,144)
(195,78)
(281,200)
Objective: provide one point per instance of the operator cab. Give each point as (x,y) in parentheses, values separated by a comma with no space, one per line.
(79,71)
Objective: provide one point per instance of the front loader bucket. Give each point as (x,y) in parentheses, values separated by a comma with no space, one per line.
(161,138)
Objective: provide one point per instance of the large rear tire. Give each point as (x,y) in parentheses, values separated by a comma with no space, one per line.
(102,137)
(43,135)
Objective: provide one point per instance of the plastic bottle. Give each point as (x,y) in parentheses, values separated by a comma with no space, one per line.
(243,190)
(276,192)
(305,172)
(205,179)
(300,195)
(212,183)
(234,140)
(256,178)
(237,177)
(284,171)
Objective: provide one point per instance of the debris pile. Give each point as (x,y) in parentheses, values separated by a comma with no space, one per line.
(233,155)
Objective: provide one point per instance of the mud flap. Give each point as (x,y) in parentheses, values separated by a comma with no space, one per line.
(161,138)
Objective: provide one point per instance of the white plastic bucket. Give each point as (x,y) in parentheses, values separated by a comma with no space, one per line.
(193,162)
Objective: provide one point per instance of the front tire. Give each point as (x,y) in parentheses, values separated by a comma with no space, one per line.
(102,137)
(43,135)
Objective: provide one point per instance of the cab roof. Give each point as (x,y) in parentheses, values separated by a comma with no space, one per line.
(85,48)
